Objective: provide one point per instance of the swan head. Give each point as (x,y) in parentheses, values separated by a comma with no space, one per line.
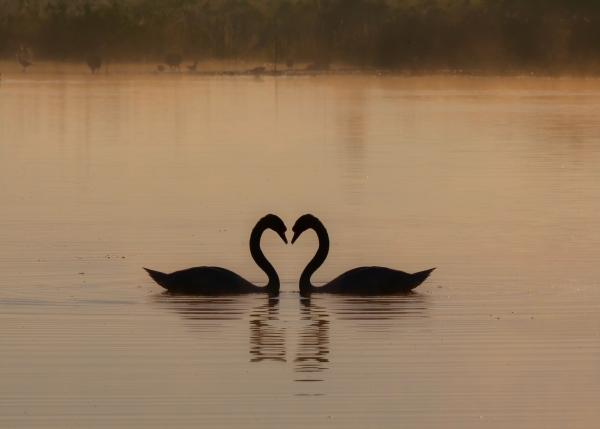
(276,224)
(302,224)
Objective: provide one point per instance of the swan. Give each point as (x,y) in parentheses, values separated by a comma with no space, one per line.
(358,281)
(219,281)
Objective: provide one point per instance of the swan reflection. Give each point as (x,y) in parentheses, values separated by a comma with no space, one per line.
(269,332)
(394,307)
(267,340)
(313,340)
(197,308)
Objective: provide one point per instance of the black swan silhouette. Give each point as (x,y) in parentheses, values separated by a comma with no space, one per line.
(358,281)
(219,281)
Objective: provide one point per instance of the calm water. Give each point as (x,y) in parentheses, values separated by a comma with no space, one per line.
(494,181)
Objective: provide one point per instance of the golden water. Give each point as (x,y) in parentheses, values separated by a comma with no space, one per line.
(496,182)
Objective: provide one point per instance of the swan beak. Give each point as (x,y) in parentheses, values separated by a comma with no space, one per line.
(296,235)
(284,238)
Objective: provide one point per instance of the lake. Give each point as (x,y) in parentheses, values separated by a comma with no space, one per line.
(494,181)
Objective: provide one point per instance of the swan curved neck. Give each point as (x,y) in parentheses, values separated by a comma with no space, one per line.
(272,286)
(306,287)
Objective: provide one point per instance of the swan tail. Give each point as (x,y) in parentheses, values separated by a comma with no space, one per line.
(421,276)
(158,277)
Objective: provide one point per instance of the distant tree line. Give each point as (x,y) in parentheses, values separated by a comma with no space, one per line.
(497,35)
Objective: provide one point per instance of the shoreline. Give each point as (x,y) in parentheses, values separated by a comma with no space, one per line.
(11,68)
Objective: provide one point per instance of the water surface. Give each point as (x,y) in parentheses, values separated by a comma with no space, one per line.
(493,181)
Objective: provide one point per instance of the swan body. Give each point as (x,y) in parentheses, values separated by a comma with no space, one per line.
(204,281)
(358,281)
(374,281)
(220,281)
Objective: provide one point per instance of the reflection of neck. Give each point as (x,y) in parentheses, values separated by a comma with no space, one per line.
(313,346)
(305,285)
(272,287)
(267,341)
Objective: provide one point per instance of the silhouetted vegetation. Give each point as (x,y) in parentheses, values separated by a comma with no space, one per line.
(496,35)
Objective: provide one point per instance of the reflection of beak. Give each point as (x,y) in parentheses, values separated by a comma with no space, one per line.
(283,237)
(296,235)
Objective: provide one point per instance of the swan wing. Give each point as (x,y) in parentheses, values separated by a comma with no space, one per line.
(373,281)
(205,281)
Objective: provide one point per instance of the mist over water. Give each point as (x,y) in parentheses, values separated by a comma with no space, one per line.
(494,181)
